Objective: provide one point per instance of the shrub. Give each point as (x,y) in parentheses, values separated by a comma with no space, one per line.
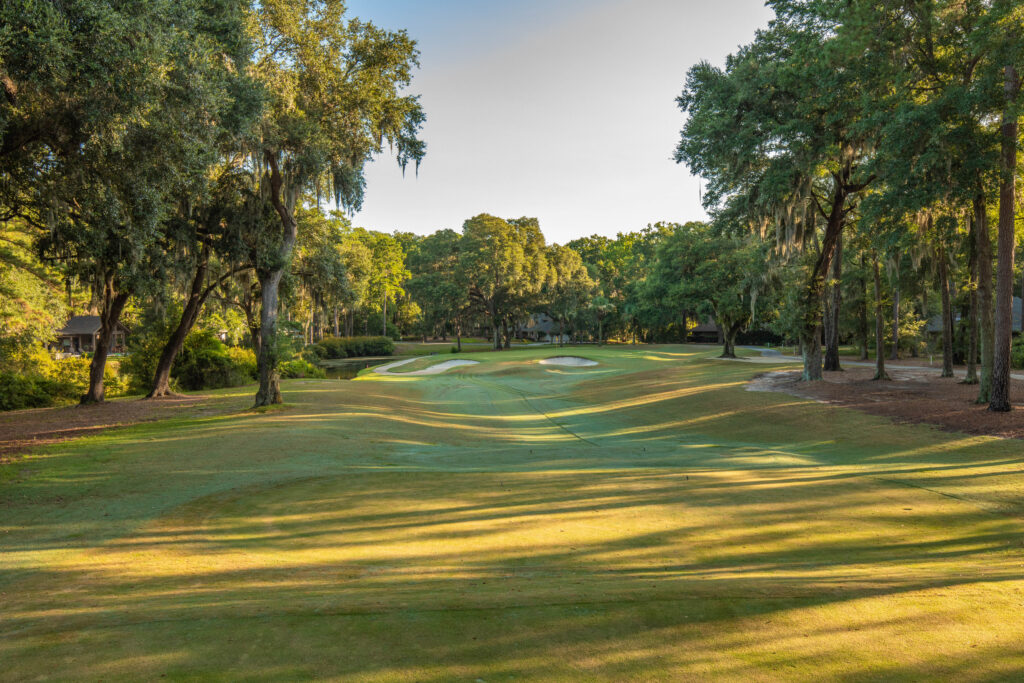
(314,353)
(72,376)
(356,347)
(55,382)
(244,360)
(20,391)
(299,368)
(206,363)
(1017,353)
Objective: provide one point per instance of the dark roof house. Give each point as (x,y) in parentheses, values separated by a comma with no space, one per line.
(934,325)
(540,326)
(81,333)
(706,333)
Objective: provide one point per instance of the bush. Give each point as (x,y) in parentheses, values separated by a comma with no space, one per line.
(299,368)
(314,353)
(355,347)
(1017,353)
(244,360)
(20,391)
(206,363)
(55,382)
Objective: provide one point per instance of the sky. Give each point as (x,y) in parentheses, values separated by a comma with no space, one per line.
(559,109)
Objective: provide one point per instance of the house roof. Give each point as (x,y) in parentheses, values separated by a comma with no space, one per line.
(538,323)
(81,324)
(85,324)
(706,326)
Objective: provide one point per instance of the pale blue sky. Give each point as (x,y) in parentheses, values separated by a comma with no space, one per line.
(560,110)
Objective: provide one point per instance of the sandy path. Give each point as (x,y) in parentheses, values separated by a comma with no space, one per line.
(775,356)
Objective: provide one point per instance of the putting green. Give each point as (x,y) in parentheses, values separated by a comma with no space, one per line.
(642,519)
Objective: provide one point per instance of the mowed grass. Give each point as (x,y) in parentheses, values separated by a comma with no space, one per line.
(644,519)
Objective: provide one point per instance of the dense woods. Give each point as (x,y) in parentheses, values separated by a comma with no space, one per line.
(190,169)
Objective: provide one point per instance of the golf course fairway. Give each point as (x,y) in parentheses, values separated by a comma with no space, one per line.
(646,518)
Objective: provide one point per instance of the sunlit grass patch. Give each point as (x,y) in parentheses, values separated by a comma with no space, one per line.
(649,521)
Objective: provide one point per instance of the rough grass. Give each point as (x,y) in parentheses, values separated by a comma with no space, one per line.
(645,519)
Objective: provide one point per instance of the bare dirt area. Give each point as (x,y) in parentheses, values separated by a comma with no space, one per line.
(912,395)
(24,430)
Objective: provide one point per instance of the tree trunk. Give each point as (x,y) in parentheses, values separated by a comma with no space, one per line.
(879,323)
(113,304)
(313,322)
(999,401)
(863,311)
(810,336)
(269,391)
(835,302)
(972,315)
(336,328)
(495,324)
(729,339)
(190,313)
(986,324)
(947,315)
(894,353)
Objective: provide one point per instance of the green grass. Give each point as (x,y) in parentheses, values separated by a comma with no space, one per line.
(644,519)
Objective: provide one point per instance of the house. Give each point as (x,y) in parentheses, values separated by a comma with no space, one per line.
(934,325)
(540,327)
(80,334)
(706,333)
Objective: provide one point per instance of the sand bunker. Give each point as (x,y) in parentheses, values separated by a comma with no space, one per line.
(432,370)
(572,361)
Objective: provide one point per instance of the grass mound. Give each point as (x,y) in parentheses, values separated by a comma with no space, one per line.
(647,520)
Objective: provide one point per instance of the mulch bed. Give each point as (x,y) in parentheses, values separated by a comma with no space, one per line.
(24,430)
(918,396)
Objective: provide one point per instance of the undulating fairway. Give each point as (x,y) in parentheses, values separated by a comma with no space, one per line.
(644,519)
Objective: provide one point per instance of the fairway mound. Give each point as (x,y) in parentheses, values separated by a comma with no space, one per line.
(568,361)
(432,370)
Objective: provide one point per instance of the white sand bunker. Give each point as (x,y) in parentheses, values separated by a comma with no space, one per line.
(432,370)
(571,361)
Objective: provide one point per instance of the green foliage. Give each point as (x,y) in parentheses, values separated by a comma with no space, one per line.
(206,363)
(1017,353)
(298,368)
(700,270)
(54,382)
(144,347)
(20,391)
(355,347)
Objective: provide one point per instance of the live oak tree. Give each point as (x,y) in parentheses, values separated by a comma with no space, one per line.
(710,273)
(569,287)
(777,136)
(503,264)
(335,100)
(107,200)
(436,284)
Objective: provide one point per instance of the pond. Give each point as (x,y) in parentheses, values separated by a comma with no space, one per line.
(349,368)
